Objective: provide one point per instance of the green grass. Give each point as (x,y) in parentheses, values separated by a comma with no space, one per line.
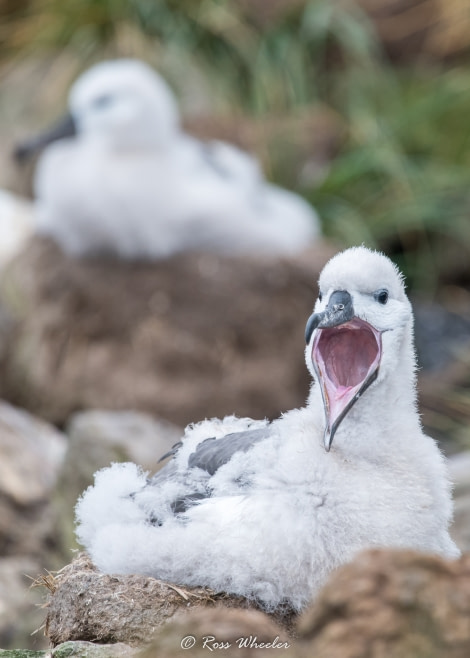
(260,68)
(402,180)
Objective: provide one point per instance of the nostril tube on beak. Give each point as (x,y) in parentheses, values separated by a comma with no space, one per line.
(339,299)
(338,311)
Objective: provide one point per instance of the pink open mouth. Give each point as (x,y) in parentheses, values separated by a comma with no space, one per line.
(346,359)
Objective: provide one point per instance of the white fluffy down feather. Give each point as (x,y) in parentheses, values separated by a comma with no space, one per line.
(277,514)
(16,225)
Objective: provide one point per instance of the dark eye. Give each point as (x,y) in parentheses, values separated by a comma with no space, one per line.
(320,296)
(381,296)
(102,101)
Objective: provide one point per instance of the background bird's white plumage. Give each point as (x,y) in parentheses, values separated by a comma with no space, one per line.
(16,225)
(285,513)
(132,183)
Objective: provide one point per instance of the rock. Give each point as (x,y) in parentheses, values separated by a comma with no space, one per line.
(459,468)
(231,632)
(75,649)
(23,653)
(96,439)
(392,603)
(87,605)
(108,436)
(90,650)
(193,336)
(31,454)
(20,613)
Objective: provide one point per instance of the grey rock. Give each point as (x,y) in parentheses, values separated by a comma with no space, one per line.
(20,612)
(74,650)
(23,653)
(41,450)
(91,650)
(31,455)
(120,436)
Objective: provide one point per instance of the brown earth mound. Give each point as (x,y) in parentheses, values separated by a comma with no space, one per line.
(85,604)
(398,604)
(190,337)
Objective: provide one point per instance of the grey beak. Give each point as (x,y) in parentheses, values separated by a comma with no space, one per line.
(64,128)
(339,310)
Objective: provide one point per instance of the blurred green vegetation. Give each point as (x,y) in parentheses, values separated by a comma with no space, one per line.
(400,180)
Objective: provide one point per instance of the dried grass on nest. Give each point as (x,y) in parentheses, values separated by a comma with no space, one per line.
(47,580)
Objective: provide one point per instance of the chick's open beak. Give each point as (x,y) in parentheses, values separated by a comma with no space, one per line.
(346,354)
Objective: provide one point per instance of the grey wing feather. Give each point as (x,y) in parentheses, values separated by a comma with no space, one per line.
(171,453)
(209,455)
(213,453)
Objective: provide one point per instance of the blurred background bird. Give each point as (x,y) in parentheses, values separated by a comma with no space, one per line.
(119,177)
(16,224)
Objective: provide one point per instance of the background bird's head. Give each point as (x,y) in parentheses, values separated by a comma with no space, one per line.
(122,103)
(125,102)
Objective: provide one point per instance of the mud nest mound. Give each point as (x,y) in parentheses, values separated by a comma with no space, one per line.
(84,604)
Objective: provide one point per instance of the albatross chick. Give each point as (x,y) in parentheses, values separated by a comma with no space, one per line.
(268,510)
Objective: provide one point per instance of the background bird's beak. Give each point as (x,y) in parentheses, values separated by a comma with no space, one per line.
(62,129)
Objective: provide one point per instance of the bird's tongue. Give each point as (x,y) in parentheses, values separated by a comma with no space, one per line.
(345,358)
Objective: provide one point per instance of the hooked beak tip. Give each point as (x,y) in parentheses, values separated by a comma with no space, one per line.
(327,440)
